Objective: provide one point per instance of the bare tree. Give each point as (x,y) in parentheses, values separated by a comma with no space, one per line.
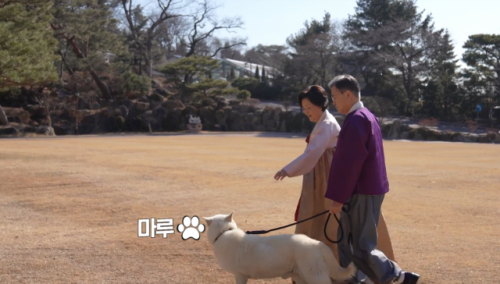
(171,34)
(205,24)
(144,29)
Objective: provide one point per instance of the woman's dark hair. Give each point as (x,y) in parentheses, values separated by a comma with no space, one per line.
(316,95)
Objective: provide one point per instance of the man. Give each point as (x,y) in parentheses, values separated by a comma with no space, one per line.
(358,177)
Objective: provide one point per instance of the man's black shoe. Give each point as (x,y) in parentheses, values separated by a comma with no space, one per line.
(411,278)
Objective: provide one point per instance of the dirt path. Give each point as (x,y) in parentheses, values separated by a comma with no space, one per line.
(70,206)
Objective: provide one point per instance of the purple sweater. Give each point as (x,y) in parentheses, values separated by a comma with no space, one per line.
(358,165)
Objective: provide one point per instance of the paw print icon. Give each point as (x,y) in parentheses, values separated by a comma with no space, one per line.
(191,228)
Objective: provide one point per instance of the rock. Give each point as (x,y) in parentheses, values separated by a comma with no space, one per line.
(30,129)
(256,122)
(155,97)
(95,106)
(248,120)
(160,113)
(457,137)
(282,127)
(236,122)
(221,104)
(20,114)
(220,116)
(64,114)
(207,115)
(298,121)
(483,138)
(173,121)
(83,103)
(244,109)
(492,136)
(271,125)
(286,119)
(40,114)
(162,92)
(234,103)
(90,119)
(14,119)
(464,137)
(123,110)
(447,136)
(128,103)
(209,102)
(143,99)
(63,129)
(134,122)
(260,128)
(188,110)
(120,123)
(394,132)
(277,113)
(8,130)
(424,133)
(45,130)
(142,106)
(171,104)
(471,137)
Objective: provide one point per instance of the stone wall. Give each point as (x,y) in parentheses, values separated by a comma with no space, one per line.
(157,114)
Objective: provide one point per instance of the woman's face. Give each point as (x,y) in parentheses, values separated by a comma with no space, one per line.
(314,112)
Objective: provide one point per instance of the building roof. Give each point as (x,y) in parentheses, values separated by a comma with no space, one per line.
(251,66)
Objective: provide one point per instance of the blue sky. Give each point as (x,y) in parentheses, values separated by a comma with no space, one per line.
(272,21)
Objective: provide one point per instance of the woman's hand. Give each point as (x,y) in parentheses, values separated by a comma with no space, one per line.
(280,175)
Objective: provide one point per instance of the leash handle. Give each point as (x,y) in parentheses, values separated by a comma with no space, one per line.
(340,227)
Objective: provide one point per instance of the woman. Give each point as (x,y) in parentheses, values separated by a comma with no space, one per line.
(314,164)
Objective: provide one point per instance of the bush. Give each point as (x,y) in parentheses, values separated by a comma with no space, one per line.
(134,84)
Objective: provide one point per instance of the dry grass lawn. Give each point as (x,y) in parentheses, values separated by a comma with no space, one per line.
(69,206)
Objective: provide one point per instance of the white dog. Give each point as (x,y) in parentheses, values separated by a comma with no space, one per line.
(249,256)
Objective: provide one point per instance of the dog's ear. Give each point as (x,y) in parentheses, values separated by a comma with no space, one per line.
(208,220)
(229,218)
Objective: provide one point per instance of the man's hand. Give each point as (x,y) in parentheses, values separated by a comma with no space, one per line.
(336,207)
(280,175)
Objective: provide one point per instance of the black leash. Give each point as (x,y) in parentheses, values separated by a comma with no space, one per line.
(326,225)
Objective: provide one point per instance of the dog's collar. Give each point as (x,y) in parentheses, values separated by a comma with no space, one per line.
(221,234)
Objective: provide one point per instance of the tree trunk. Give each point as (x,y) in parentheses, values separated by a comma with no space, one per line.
(102,86)
(65,62)
(3,117)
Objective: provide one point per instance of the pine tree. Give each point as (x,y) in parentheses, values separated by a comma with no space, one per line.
(482,77)
(232,75)
(27,46)
(362,31)
(263,74)
(257,76)
(89,29)
(441,95)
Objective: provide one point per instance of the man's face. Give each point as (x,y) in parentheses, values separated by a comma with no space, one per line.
(341,100)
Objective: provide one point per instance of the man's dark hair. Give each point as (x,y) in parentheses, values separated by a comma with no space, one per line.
(345,83)
(316,95)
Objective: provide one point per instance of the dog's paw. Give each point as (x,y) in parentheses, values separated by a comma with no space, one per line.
(188,231)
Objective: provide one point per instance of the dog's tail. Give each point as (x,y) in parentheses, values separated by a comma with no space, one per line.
(336,271)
